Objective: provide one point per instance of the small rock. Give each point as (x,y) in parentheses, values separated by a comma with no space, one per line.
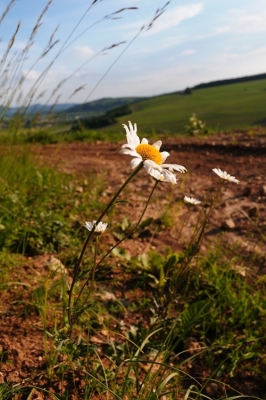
(212,389)
(263,190)
(228,224)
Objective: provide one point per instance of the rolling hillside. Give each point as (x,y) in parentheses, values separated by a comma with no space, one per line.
(237,105)
(100,107)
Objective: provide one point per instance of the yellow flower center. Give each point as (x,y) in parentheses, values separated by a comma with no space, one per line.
(148,152)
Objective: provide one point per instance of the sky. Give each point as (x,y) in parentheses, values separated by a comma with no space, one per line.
(107,48)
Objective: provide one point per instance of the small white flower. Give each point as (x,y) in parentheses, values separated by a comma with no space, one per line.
(150,155)
(224,175)
(191,200)
(100,227)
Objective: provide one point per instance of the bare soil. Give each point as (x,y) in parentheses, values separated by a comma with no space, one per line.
(239,216)
(238,220)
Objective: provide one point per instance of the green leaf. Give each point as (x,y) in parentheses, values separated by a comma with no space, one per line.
(195,313)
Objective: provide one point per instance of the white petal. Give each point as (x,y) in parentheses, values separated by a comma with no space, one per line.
(101,227)
(169,176)
(144,141)
(224,175)
(157,144)
(131,133)
(156,174)
(164,175)
(164,155)
(89,225)
(128,146)
(149,164)
(175,167)
(135,162)
(128,133)
(191,200)
(130,152)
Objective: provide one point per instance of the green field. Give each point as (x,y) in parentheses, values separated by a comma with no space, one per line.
(239,105)
(221,108)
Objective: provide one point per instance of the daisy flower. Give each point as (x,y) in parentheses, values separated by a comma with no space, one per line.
(224,175)
(153,160)
(191,200)
(99,229)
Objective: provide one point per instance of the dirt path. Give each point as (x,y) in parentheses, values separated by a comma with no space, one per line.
(238,218)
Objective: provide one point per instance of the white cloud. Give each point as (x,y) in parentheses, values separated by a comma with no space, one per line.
(188,52)
(259,51)
(83,51)
(239,22)
(30,75)
(222,29)
(168,41)
(174,17)
(249,23)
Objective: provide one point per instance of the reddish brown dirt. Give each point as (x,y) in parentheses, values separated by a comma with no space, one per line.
(238,219)
(239,216)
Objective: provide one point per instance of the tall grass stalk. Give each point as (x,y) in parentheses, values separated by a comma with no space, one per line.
(12,81)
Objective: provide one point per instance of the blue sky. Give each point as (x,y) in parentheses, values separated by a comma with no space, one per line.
(190,43)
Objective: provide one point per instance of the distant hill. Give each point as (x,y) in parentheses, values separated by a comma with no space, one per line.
(38,108)
(223,105)
(92,108)
(104,105)
(230,81)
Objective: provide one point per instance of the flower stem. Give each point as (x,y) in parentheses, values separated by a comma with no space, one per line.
(196,239)
(77,267)
(121,240)
(94,262)
(135,226)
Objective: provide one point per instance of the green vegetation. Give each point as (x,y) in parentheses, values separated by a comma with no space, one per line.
(32,220)
(225,107)
(222,107)
(240,105)
(102,106)
(162,317)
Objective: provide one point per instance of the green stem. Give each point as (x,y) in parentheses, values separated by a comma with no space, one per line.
(134,228)
(182,226)
(94,262)
(77,268)
(197,236)
(121,240)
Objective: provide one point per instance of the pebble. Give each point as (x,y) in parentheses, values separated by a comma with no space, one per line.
(228,224)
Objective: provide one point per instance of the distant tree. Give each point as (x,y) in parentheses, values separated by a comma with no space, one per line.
(187,91)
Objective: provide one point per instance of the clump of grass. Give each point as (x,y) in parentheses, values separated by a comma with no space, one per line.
(39,206)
